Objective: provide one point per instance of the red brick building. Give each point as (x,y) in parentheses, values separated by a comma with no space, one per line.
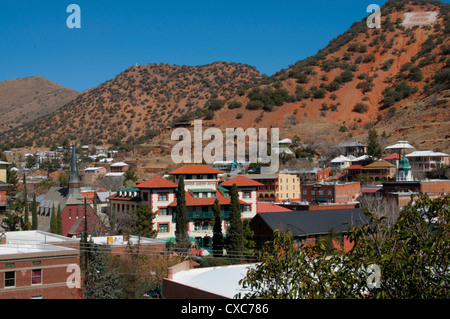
(339,193)
(37,271)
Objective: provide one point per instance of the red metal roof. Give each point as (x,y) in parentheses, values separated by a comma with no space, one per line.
(157,182)
(195,169)
(271,208)
(241,181)
(392,156)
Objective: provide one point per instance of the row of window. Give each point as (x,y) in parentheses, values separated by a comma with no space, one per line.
(330,192)
(10,278)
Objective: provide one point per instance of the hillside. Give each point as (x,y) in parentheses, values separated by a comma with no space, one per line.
(395,78)
(138,102)
(25,99)
(364,78)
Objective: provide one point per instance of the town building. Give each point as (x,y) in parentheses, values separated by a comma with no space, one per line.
(202,187)
(307,227)
(124,244)
(3,171)
(37,271)
(185,282)
(331,192)
(355,149)
(426,161)
(277,187)
(379,171)
(74,208)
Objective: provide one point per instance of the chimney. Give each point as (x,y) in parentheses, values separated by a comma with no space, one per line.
(3,239)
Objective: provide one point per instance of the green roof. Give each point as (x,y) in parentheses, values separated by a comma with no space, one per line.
(203,190)
(130,189)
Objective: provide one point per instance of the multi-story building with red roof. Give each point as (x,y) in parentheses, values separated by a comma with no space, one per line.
(202,186)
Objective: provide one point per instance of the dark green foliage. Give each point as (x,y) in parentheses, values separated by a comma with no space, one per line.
(387,64)
(373,146)
(266,98)
(53,221)
(215,105)
(396,93)
(144,221)
(347,76)
(411,255)
(217,240)
(235,238)
(415,74)
(234,105)
(360,108)
(59,228)
(34,218)
(100,281)
(181,232)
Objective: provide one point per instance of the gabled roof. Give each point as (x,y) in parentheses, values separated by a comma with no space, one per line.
(241,181)
(379,164)
(340,159)
(195,169)
(157,182)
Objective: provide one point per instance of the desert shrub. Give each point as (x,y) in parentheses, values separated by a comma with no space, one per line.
(234,105)
(360,108)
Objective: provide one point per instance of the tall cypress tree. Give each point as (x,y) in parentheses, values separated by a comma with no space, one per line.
(34,218)
(181,220)
(53,221)
(235,235)
(26,223)
(217,240)
(59,221)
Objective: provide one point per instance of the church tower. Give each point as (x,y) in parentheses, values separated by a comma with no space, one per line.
(74,173)
(404,169)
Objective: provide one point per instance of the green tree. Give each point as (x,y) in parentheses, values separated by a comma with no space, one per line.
(11,221)
(26,222)
(129,178)
(34,218)
(373,146)
(181,219)
(235,238)
(59,228)
(408,260)
(217,240)
(53,221)
(100,281)
(144,221)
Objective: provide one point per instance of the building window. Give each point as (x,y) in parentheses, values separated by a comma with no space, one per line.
(163,211)
(197,225)
(305,192)
(163,228)
(36,276)
(162,197)
(145,196)
(247,194)
(329,192)
(205,209)
(247,208)
(10,279)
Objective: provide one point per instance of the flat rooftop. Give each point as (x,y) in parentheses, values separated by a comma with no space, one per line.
(36,237)
(14,249)
(223,280)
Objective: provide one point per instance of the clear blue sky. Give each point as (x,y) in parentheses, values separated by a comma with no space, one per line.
(114,35)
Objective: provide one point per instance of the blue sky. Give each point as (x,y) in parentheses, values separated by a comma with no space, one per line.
(114,35)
